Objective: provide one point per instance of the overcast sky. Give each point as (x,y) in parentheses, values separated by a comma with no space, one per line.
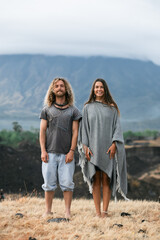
(119,28)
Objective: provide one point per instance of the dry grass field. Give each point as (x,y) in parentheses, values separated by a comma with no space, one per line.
(144,222)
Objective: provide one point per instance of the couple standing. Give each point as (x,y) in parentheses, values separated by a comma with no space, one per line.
(100,144)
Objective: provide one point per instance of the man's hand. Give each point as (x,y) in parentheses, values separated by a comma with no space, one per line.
(88,152)
(42,138)
(44,156)
(112,150)
(69,156)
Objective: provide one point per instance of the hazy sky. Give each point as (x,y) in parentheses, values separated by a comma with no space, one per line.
(120,28)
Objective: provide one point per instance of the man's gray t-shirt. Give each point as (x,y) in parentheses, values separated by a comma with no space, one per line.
(59,127)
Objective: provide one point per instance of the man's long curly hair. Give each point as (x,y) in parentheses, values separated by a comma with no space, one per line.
(108,99)
(50,96)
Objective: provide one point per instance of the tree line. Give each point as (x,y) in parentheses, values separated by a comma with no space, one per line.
(17,135)
(147,134)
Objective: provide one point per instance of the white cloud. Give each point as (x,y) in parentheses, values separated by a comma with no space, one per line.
(122,28)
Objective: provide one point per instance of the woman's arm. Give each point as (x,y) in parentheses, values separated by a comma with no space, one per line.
(112,150)
(88,152)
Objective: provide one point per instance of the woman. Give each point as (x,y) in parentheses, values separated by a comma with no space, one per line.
(101,147)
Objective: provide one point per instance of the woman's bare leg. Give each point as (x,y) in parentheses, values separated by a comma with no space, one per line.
(97,192)
(106,193)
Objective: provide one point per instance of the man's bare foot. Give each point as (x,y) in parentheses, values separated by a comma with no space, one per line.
(67,215)
(46,214)
(98,214)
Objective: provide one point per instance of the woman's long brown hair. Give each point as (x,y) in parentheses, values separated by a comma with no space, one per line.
(108,99)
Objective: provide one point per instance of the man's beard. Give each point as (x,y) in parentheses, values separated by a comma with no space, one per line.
(60,94)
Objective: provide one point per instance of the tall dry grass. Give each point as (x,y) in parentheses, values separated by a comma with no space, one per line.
(144,222)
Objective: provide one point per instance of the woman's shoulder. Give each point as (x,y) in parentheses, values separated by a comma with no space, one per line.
(88,105)
(112,105)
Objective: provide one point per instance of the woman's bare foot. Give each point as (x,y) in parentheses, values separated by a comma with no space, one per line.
(104,214)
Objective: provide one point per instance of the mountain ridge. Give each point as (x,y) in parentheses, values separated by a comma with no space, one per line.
(24,80)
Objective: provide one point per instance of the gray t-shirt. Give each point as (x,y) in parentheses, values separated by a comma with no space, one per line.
(59,127)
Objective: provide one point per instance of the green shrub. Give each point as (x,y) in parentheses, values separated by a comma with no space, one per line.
(16,136)
(144,134)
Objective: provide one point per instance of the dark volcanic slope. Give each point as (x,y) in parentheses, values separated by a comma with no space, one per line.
(20,172)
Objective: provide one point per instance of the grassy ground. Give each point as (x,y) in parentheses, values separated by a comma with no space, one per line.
(144,222)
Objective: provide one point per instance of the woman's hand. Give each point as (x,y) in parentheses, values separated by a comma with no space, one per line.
(112,150)
(88,152)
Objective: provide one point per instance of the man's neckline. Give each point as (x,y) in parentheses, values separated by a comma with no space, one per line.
(60,107)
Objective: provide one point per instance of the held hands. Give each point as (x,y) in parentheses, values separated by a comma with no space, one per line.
(112,150)
(44,156)
(88,152)
(69,156)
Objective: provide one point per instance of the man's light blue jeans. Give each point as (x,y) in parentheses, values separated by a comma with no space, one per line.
(58,170)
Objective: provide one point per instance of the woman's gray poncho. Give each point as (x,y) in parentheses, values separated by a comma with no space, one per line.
(100,126)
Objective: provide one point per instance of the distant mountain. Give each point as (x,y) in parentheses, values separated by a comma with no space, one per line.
(24,80)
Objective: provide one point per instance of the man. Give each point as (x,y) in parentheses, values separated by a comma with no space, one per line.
(58,140)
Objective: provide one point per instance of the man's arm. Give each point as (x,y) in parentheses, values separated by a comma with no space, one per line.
(42,139)
(70,154)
